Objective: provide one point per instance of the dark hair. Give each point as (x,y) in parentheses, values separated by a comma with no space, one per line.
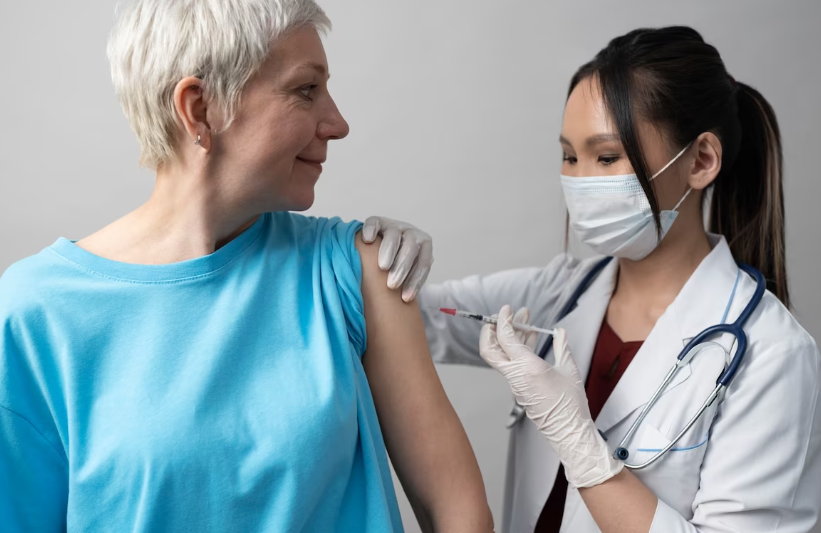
(672,78)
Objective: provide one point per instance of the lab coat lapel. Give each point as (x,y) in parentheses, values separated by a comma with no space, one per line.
(644,373)
(583,323)
(709,292)
(699,304)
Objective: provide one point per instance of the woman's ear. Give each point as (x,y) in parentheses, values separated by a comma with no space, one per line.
(192,111)
(706,161)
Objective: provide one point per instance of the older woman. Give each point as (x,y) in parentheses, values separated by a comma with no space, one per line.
(153,378)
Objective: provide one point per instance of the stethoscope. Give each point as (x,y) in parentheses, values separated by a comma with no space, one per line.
(685,356)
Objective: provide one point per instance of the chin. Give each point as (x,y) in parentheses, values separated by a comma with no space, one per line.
(302,202)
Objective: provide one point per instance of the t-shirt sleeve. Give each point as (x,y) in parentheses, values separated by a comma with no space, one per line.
(33,466)
(347,271)
(33,480)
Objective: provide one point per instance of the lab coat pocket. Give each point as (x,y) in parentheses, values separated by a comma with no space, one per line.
(648,441)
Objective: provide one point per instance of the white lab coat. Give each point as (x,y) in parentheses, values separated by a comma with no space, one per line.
(751,465)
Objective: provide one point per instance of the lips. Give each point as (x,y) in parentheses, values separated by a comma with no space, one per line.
(314,162)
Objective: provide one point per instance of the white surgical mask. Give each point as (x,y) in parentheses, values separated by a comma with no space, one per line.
(611,214)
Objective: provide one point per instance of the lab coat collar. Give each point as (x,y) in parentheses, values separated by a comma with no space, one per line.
(700,304)
(703,300)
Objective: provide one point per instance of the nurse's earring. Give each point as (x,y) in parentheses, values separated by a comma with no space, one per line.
(198,142)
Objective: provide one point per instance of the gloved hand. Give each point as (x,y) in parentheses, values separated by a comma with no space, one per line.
(406,250)
(553,398)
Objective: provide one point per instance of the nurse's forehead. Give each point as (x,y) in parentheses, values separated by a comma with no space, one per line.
(586,97)
(586,119)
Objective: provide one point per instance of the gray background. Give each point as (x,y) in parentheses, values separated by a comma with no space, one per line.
(455,109)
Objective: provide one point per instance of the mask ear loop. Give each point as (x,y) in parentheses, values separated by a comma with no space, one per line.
(665,167)
(689,190)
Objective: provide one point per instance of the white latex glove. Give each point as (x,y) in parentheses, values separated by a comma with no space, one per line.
(406,250)
(553,398)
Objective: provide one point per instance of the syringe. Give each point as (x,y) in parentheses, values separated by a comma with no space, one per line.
(492,320)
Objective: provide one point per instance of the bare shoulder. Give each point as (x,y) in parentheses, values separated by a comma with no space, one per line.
(374,279)
(368,253)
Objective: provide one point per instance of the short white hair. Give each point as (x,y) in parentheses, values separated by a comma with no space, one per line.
(156,43)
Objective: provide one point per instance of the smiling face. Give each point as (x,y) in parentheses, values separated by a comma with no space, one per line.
(272,153)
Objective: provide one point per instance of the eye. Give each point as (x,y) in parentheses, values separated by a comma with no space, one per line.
(568,158)
(608,159)
(307,90)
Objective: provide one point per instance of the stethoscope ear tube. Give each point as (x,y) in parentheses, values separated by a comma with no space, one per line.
(729,373)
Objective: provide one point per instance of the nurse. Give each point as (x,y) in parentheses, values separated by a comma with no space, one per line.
(656,138)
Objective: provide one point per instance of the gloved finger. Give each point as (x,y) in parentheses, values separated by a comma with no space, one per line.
(371,229)
(509,339)
(522,316)
(391,239)
(489,348)
(532,340)
(402,264)
(419,273)
(564,359)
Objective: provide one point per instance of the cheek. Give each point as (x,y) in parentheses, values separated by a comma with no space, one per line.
(268,143)
(290,139)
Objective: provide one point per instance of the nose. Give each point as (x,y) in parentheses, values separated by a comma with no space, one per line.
(333,125)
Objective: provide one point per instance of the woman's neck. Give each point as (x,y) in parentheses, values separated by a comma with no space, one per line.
(188,215)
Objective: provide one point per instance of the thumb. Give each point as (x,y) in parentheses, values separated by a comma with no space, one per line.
(512,341)
(509,338)
(489,348)
(522,316)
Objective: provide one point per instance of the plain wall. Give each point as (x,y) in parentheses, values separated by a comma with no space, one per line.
(455,110)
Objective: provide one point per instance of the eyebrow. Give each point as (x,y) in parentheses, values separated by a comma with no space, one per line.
(595,139)
(318,67)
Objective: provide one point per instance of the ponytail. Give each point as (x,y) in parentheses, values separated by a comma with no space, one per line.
(748,200)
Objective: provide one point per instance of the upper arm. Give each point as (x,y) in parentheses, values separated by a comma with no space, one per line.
(424,437)
(403,380)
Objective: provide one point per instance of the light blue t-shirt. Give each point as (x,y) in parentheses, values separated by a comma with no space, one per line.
(225,393)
